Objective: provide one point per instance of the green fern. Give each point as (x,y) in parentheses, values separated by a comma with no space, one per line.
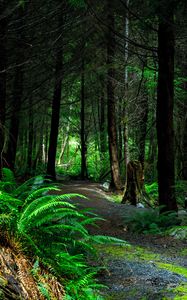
(8,182)
(52,229)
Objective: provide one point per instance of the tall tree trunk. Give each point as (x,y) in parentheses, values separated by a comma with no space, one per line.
(184,138)
(164,117)
(112,132)
(55,107)
(17,94)
(102,119)
(184,165)
(83,141)
(143,127)
(64,144)
(125,105)
(3,67)
(30,138)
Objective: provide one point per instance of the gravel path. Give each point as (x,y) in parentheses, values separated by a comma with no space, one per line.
(133,276)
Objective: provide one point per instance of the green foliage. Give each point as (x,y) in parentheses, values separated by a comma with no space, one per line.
(95,164)
(21,3)
(52,228)
(8,182)
(152,191)
(151,221)
(78,3)
(180,190)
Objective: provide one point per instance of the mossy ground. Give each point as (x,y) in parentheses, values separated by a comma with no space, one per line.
(141,254)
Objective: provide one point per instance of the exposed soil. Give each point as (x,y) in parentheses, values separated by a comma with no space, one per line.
(132,274)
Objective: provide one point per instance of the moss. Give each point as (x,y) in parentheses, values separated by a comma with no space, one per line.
(183,252)
(129,252)
(123,295)
(3,281)
(173,268)
(134,253)
(181,292)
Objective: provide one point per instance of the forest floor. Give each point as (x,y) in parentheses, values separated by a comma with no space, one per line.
(150,267)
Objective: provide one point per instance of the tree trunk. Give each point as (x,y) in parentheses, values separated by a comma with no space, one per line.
(30,138)
(64,144)
(55,107)
(143,127)
(184,165)
(164,118)
(112,133)
(83,140)
(125,110)
(17,94)
(102,119)
(3,67)
(134,185)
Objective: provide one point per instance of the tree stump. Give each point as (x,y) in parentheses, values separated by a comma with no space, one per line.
(134,182)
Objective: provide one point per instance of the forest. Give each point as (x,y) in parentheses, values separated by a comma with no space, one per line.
(93,149)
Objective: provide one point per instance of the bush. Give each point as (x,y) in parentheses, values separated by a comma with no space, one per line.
(180,190)
(151,221)
(152,191)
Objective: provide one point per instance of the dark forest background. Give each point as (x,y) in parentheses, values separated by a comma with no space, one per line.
(87,86)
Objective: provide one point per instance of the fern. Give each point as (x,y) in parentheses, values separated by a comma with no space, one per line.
(52,229)
(44,290)
(40,207)
(8,182)
(101,239)
(151,221)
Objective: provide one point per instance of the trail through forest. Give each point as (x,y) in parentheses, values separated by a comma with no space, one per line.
(150,267)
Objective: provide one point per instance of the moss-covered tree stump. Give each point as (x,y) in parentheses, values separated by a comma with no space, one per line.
(134,182)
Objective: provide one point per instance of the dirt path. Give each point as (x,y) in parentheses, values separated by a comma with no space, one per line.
(152,267)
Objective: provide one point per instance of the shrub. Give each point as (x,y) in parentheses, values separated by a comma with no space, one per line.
(151,221)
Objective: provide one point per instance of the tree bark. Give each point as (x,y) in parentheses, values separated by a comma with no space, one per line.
(84,172)
(55,107)
(102,119)
(164,117)
(3,75)
(143,127)
(112,132)
(184,165)
(17,94)
(125,105)
(134,185)
(30,138)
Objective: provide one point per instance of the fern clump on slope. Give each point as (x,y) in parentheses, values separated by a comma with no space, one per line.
(54,230)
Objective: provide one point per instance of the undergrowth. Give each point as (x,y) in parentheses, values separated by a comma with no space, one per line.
(180,191)
(151,221)
(52,229)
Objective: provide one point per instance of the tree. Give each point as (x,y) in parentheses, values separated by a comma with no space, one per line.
(17,91)
(83,140)
(112,133)
(56,102)
(165,97)
(3,76)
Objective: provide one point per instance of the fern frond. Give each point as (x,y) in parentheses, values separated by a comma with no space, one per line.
(8,176)
(63,227)
(83,245)
(91,221)
(57,215)
(35,194)
(101,239)
(9,201)
(26,188)
(45,200)
(27,219)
